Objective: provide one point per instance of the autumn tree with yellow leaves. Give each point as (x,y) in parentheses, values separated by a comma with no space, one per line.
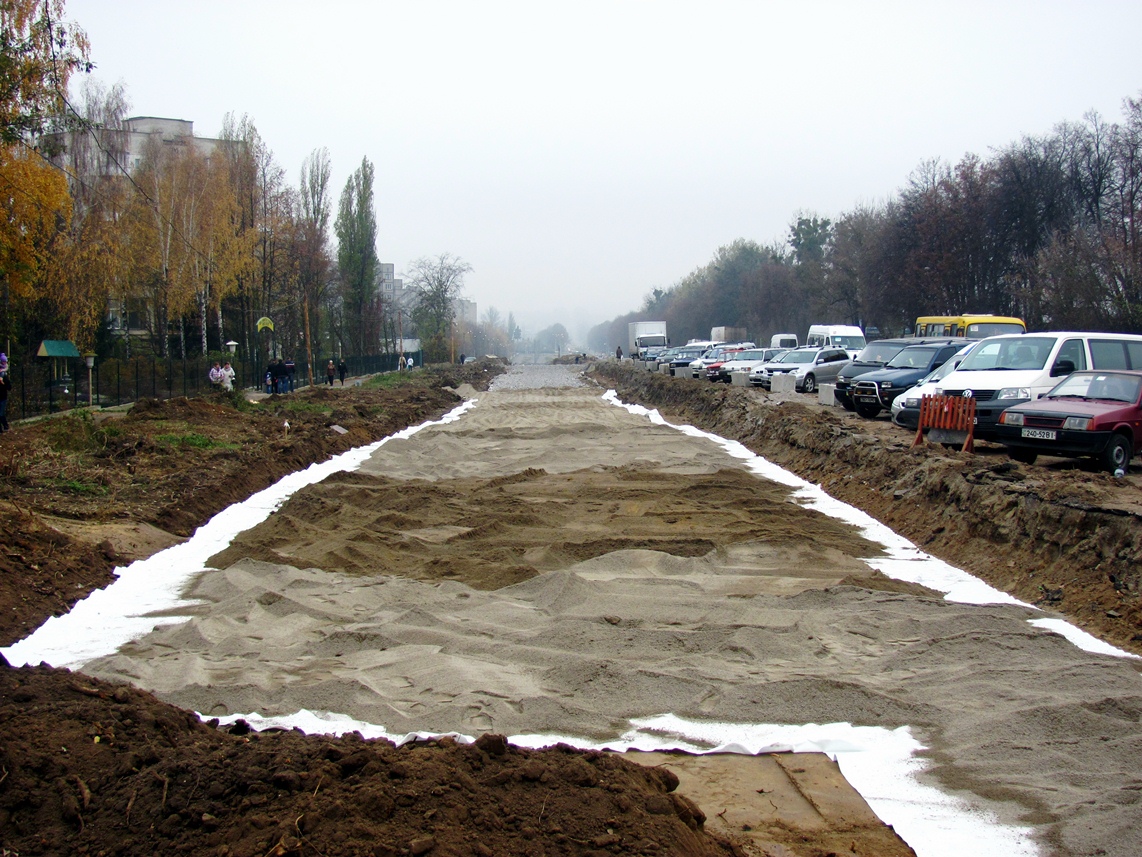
(39,52)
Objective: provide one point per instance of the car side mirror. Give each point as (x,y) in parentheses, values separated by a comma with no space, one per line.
(1062,367)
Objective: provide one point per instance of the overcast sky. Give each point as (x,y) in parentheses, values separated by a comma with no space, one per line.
(579,154)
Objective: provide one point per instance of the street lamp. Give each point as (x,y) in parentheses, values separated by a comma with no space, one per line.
(231,346)
(89,359)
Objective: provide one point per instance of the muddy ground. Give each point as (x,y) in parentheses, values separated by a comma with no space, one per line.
(1058,534)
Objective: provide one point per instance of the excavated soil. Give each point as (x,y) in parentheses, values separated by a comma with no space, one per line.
(91,768)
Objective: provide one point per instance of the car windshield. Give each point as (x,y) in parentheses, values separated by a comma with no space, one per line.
(1018,352)
(752,354)
(984,329)
(913,357)
(797,357)
(1113,386)
(947,367)
(879,352)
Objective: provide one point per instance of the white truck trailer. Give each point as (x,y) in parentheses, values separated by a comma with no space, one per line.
(643,335)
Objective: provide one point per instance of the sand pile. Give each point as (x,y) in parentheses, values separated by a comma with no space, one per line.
(649,574)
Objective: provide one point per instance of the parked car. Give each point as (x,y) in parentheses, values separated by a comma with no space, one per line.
(1004,371)
(716,355)
(810,366)
(687,354)
(1096,414)
(742,362)
(906,406)
(666,356)
(874,391)
(872,357)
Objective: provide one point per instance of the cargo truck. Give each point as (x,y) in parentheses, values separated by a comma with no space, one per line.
(727,334)
(643,335)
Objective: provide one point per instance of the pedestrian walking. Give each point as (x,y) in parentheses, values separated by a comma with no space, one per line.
(342,370)
(461,359)
(5,387)
(291,370)
(228,377)
(330,373)
(402,363)
(619,353)
(216,374)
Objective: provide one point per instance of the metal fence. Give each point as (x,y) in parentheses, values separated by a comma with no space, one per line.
(46,387)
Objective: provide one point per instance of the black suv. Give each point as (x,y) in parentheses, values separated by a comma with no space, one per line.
(875,390)
(874,356)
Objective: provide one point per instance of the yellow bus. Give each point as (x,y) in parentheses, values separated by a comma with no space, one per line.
(968,326)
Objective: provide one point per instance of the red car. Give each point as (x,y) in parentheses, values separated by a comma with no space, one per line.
(1095,414)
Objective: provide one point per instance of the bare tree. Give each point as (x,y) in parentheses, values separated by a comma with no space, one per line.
(440,282)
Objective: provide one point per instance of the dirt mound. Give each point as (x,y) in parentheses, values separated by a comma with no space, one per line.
(1053,534)
(172,465)
(118,772)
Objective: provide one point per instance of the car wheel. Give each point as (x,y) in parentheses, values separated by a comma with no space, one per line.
(1118,453)
(1022,455)
(867,411)
(810,385)
(846,403)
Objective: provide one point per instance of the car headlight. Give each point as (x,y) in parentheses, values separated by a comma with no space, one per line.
(1077,423)
(911,403)
(887,385)
(1011,418)
(1014,393)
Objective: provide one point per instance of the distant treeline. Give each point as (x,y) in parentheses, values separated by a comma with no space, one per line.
(1048,229)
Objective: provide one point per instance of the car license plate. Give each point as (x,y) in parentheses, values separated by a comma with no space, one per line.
(1039,434)
(866,398)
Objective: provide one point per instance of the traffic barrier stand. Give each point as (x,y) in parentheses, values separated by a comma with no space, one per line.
(950,413)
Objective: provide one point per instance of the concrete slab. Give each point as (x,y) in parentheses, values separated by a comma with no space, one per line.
(784,383)
(771,801)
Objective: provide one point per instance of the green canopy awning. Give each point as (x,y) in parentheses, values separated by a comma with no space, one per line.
(57,348)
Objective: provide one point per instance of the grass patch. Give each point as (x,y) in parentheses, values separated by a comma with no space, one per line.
(78,432)
(194,439)
(75,486)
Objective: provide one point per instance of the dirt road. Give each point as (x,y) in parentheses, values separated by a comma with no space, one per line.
(553,564)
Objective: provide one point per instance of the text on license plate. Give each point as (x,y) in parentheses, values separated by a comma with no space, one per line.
(866,398)
(1041,434)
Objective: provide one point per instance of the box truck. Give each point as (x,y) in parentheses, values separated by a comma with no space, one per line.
(643,335)
(727,334)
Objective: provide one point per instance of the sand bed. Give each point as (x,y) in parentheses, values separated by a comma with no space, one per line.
(551,563)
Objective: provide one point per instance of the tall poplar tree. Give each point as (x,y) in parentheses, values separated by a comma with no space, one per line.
(356,228)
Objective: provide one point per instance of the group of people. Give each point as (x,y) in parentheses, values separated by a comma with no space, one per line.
(280,376)
(331,371)
(222,376)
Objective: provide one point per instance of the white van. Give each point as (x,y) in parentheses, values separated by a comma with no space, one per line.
(783,340)
(846,336)
(1003,371)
